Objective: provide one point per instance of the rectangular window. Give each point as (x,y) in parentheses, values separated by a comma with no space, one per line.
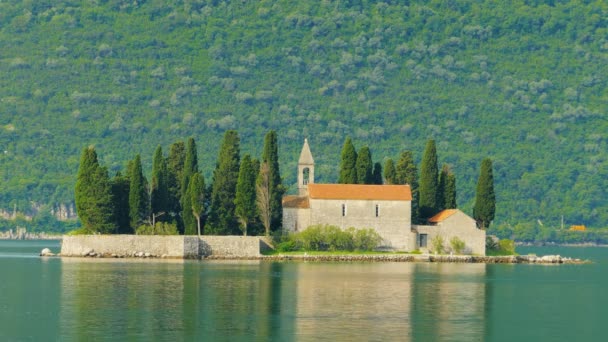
(423,239)
(377,211)
(343,209)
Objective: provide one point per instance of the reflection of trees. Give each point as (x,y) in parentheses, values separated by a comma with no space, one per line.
(184,300)
(448,301)
(103,298)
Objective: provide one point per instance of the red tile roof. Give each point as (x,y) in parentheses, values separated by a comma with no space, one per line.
(360,192)
(295,202)
(442,215)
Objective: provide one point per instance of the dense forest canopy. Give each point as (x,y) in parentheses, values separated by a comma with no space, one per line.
(522,82)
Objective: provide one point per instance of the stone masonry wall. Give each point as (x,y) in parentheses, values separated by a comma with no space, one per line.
(230,246)
(126,245)
(393,221)
(186,247)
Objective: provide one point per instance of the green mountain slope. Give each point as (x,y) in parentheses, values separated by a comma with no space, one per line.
(522,82)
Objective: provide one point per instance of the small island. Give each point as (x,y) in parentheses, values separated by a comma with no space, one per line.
(366,216)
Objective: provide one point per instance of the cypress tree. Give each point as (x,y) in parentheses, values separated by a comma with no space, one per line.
(222,219)
(485,199)
(441,186)
(138,195)
(364,166)
(245,201)
(175,168)
(189,169)
(262,189)
(348,171)
(407,173)
(446,195)
(389,172)
(377,174)
(120,194)
(450,192)
(93,195)
(159,192)
(190,164)
(428,181)
(270,155)
(196,194)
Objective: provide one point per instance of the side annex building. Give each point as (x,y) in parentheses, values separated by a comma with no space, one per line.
(384,208)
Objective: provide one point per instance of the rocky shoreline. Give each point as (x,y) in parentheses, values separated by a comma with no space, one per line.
(513,259)
(520,259)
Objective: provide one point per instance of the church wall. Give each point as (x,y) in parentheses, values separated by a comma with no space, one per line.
(393,222)
(458,225)
(295,219)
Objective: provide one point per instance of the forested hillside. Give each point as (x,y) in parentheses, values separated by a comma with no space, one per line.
(521,82)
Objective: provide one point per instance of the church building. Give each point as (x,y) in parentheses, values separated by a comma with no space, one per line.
(384,208)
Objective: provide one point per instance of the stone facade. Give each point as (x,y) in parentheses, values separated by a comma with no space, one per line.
(392,222)
(385,208)
(182,247)
(459,225)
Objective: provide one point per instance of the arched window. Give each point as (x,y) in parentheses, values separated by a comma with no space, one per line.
(305,176)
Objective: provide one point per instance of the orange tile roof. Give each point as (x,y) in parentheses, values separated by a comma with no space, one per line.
(360,192)
(295,202)
(442,215)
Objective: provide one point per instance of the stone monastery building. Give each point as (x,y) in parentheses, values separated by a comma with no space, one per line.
(385,208)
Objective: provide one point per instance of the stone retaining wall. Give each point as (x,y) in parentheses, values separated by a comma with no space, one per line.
(231,246)
(183,247)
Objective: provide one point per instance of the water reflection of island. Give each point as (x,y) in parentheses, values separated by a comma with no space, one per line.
(185,300)
(391,301)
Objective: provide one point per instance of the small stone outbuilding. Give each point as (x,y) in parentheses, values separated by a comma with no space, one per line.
(452,223)
(385,208)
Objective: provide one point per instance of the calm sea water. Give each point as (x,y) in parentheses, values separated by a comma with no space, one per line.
(141,300)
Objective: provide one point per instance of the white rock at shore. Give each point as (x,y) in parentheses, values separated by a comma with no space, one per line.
(46,252)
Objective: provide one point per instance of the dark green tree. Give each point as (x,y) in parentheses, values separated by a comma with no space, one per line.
(175,168)
(348,170)
(93,195)
(159,192)
(139,204)
(377,174)
(429,177)
(196,194)
(120,194)
(245,201)
(450,192)
(485,199)
(222,220)
(262,189)
(190,168)
(364,166)
(390,176)
(441,183)
(190,164)
(406,172)
(270,155)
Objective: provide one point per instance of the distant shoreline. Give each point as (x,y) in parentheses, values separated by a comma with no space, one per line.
(552,244)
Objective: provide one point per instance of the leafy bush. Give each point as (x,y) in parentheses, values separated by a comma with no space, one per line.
(457,245)
(437,244)
(366,239)
(507,246)
(286,246)
(331,238)
(160,228)
(503,247)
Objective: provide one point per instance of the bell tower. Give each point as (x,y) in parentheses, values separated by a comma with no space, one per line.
(306,170)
